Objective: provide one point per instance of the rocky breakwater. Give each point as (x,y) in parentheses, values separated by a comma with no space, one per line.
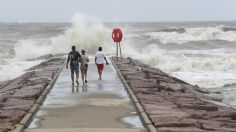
(17,96)
(173,105)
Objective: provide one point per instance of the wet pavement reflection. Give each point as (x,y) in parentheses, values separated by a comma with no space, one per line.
(105,96)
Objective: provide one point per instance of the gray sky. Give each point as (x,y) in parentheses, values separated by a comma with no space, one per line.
(117,10)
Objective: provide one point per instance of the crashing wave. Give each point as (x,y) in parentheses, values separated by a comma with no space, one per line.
(178,30)
(7,52)
(194,34)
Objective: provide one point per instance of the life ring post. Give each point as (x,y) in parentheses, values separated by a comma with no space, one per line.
(117,37)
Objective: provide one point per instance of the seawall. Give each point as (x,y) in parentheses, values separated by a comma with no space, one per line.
(20,97)
(170,104)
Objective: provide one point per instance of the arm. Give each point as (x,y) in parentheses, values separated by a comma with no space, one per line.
(80,60)
(68,60)
(95,59)
(87,59)
(106,60)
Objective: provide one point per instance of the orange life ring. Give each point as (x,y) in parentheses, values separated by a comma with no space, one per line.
(117,35)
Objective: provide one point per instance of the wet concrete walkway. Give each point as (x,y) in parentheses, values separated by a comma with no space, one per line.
(102,106)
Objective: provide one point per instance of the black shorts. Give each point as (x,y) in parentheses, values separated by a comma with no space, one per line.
(74,67)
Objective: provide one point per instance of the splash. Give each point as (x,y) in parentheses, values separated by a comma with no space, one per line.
(82,34)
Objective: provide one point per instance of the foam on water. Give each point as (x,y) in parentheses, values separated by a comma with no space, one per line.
(13,68)
(193,34)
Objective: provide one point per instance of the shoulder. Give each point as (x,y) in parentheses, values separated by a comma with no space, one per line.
(77,52)
(102,53)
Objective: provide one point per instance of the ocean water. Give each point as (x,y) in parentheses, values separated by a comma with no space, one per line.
(201,53)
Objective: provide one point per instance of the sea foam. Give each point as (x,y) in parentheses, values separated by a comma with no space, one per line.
(193,34)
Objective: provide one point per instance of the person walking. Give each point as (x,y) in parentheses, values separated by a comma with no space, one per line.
(84,66)
(74,58)
(99,61)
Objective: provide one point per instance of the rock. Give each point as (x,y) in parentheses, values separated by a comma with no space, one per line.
(171,112)
(170,122)
(151,107)
(5,127)
(16,101)
(138,63)
(12,116)
(146,91)
(43,73)
(153,72)
(183,95)
(134,77)
(187,101)
(179,129)
(171,86)
(3,84)
(127,67)
(37,86)
(209,125)
(27,93)
(233,116)
(38,80)
(17,104)
(162,79)
(142,84)
(4,96)
(197,88)
(199,107)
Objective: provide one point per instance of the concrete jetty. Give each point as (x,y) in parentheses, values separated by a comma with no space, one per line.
(101,106)
(132,97)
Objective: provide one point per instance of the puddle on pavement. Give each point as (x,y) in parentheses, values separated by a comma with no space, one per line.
(134,121)
(36,122)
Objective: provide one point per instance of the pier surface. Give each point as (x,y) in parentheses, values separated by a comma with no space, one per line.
(101,106)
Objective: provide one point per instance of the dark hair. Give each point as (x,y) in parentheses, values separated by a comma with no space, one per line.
(99,48)
(83,51)
(73,47)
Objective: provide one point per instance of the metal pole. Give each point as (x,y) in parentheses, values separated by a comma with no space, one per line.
(120,52)
(117,51)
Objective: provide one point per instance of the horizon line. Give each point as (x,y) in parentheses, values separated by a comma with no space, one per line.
(175,21)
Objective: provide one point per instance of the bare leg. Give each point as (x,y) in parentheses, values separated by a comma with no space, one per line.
(85,74)
(82,75)
(72,77)
(77,77)
(100,74)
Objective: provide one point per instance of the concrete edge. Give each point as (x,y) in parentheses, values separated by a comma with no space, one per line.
(29,116)
(146,121)
(19,128)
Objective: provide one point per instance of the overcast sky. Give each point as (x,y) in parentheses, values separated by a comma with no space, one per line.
(117,10)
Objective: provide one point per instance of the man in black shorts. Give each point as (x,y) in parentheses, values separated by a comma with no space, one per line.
(74,59)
